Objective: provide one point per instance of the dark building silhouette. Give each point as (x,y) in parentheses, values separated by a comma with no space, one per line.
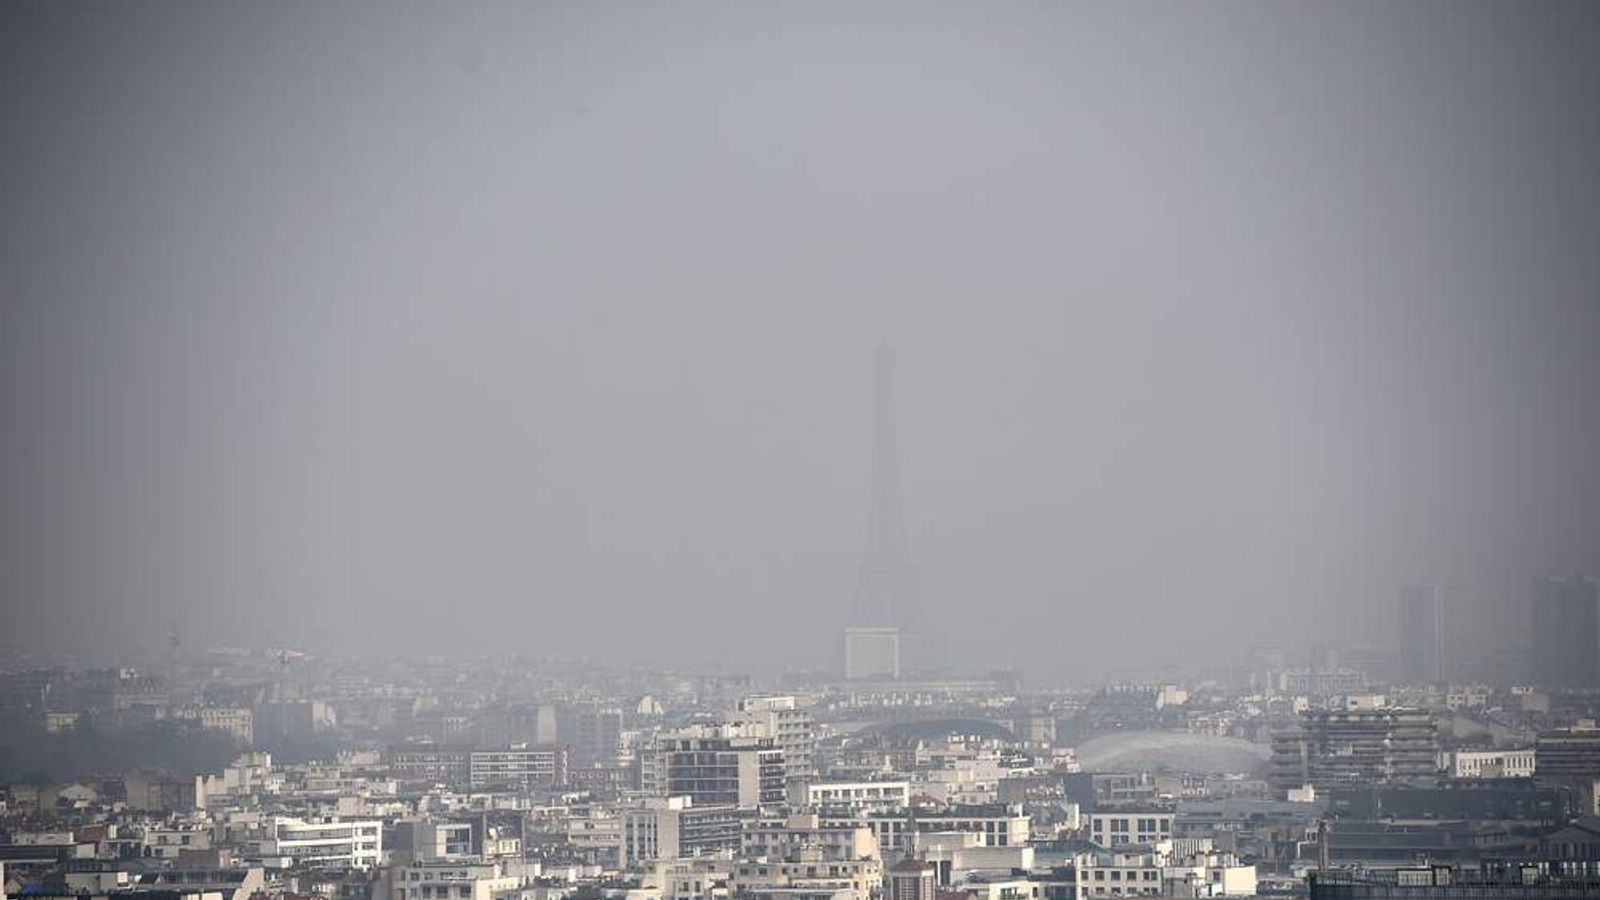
(1422,645)
(1566,632)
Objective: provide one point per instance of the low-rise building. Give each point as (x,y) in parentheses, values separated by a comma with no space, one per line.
(452,881)
(853,796)
(1492,763)
(329,842)
(810,869)
(1116,828)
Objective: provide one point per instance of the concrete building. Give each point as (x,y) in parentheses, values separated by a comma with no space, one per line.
(517,768)
(1509,881)
(961,855)
(1492,763)
(532,724)
(714,767)
(685,879)
(1321,682)
(1160,870)
(431,763)
(787,720)
(470,768)
(432,840)
(1120,873)
(1001,825)
(238,723)
(228,882)
(808,869)
(909,879)
(674,827)
(330,842)
(1119,827)
(1364,746)
(853,796)
(167,842)
(787,837)
(1568,753)
(451,880)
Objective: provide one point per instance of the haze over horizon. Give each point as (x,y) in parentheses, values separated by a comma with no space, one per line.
(1214,324)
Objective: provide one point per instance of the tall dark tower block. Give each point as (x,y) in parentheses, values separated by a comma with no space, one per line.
(1566,632)
(1422,641)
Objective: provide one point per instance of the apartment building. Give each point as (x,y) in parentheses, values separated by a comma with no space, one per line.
(1492,763)
(674,827)
(852,796)
(329,842)
(788,721)
(1120,827)
(442,880)
(1356,746)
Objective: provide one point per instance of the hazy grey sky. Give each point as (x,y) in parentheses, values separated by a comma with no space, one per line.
(549,325)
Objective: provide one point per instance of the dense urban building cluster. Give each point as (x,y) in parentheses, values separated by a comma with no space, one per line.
(234,774)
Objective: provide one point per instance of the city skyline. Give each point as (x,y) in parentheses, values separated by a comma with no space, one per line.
(325,325)
(894,450)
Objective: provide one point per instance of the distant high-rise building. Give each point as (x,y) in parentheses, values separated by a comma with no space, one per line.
(593,733)
(1422,644)
(885,612)
(1566,632)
